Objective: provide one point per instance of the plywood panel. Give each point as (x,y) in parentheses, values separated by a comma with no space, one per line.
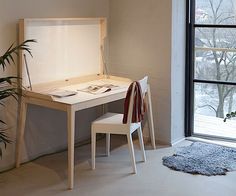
(65,48)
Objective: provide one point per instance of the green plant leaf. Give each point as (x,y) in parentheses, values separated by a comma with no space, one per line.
(8,85)
(4,138)
(1,121)
(7,57)
(9,80)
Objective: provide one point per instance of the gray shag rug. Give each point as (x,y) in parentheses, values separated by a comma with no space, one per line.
(202,158)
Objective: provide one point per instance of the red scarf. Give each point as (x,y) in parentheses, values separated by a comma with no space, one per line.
(139,106)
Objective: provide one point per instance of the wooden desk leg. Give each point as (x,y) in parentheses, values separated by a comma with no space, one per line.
(108,143)
(150,118)
(21,129)
(108,135)
(71,141)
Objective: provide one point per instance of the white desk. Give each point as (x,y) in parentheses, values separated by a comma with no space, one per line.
(72,104)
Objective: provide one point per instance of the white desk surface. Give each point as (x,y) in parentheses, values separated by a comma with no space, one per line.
(85,96)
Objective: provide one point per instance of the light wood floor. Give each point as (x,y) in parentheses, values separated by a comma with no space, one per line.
(210,125)
(47,176)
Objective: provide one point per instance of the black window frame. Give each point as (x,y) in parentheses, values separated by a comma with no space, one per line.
(189,68)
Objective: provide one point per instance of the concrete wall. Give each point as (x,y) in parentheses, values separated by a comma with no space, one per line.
(148,38)
(177,70)
(45,129)
(145,38)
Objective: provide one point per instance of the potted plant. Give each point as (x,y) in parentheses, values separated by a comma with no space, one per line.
(8,85)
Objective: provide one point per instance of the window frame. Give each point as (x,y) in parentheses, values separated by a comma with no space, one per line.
(189,73)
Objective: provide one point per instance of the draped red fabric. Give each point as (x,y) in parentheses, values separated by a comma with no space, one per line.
(139,107)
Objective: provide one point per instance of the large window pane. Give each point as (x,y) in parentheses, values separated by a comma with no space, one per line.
(215,12)
(211,103)
(215,54)
(215,65)
(215,37)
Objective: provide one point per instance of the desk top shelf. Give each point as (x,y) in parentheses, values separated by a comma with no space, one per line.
(45,91)
(69,54)
(66,48)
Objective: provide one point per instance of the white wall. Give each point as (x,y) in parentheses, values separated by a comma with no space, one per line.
(145,40)
(140,44)
(45,129)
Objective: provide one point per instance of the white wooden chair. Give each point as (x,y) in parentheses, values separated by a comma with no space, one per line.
(111,123)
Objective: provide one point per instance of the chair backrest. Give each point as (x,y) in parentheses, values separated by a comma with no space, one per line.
(144,85)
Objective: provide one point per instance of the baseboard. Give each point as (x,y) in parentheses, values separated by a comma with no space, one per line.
(177,141)
(147,140)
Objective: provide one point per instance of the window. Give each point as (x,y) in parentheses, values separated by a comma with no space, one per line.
(211,67)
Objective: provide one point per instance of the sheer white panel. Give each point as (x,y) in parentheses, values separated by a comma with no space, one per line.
(64,49)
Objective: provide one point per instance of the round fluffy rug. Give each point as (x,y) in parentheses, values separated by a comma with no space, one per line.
(202,158)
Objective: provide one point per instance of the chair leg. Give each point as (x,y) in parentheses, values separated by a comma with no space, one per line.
(131,149)
(140,135)
(108,141)
(93,149)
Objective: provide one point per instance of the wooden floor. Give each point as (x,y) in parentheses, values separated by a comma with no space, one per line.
(214,126)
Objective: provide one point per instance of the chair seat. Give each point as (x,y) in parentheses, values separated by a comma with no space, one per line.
(112,123)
